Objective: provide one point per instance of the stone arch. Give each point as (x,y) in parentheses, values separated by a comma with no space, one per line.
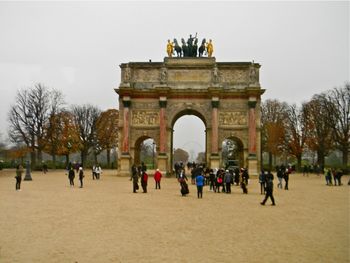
(228,105)
(180,113)
(183,112)
(137,148)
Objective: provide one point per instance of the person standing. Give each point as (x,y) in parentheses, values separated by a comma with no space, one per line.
(262,180)
(211,180)
(98,171)
(157,178)
(81,176)
(279,177)
(200,184)
(269,189)
(19,171)
(286,178)
(144,180)
(94,172)
(71,175)
(228,178)
(134,178)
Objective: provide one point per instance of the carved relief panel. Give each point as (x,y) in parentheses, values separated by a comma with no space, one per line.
(145,118)
(229,118)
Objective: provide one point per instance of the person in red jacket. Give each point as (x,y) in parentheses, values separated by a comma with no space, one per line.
(144,179)
(157,178)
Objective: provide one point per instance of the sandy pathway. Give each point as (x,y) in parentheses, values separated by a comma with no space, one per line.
(105,222)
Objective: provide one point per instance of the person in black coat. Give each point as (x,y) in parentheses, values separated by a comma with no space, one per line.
(81,176)
(71,175)
(269,189)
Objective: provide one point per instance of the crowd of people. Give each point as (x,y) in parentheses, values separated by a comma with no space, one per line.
(218,180)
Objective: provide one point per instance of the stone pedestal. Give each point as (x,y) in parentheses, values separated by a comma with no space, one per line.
(214,161)
(253,166)
(162,163)
(125,167)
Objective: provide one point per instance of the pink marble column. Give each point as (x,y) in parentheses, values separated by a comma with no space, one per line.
(252,128)
(215,126)
(162,126)
(125,146)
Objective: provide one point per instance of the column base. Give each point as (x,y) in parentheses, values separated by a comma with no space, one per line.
(253,169)
(214,161)
(162,163)
(125,167)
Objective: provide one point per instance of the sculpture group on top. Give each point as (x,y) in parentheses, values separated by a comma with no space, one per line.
(190,48)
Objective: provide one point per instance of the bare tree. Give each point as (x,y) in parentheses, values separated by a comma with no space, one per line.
(27,118)
(85,118)
(337,104)
(319,130)
(296,132)
(53,126)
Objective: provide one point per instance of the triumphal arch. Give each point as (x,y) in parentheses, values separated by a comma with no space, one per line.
(224,95)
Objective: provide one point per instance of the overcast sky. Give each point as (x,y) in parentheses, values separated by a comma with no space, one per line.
(303,47)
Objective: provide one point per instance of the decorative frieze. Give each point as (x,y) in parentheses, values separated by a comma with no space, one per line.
(145,118)
(229,118)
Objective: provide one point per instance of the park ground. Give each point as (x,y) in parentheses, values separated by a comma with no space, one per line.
(48,221)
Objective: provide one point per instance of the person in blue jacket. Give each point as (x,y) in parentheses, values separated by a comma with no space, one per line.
(200,184)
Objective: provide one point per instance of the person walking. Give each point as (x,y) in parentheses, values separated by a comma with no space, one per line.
(19,172)
(144,180)
(157,178)
(200,184)
(81,176)
(71,175)
(269,189)
(228,178)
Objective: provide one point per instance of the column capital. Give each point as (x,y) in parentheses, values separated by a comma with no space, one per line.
(162,103)
(215,102)
(126,102)
(251,104)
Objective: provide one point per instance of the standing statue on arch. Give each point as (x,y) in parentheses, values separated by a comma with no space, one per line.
(210,48)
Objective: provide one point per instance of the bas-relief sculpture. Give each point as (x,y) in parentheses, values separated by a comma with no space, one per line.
(232,118)
(145,118)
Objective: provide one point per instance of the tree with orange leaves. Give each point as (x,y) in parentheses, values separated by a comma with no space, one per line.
(107,131)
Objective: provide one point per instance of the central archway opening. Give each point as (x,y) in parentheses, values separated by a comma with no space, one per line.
(188,139)
(146,152)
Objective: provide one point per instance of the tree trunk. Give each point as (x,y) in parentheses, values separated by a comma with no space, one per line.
(270,161)
(40,156)
(320,159)
(299,163)
(33,159)
(108,157)
(95,157)
(345,157)
(67,159)
(54,161)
